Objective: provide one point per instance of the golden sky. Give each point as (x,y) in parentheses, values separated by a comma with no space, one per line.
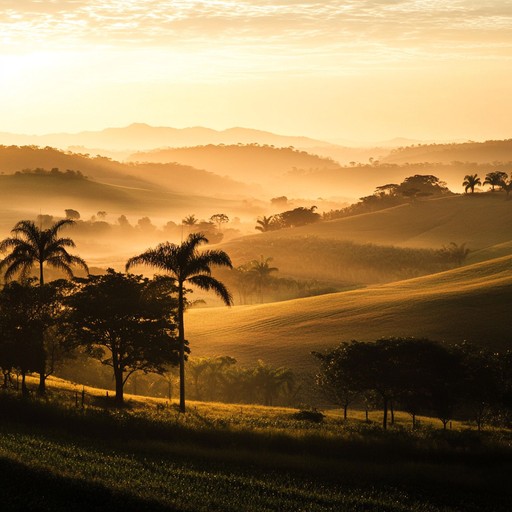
(363,70)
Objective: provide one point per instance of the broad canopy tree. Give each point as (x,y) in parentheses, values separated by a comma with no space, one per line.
(417,374)
(127,322)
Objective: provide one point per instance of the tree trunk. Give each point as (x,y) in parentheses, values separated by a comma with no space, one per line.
(41,390)
(385,415)
(345,407)
(366,415)
(392,411)
(413,421)
(24,390)
(181,339)
(119,386)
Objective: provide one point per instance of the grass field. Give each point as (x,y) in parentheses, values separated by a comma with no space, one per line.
(54,456)
(467,303)
(479,220)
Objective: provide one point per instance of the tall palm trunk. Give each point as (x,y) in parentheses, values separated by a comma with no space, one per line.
(181,339)
(41,390)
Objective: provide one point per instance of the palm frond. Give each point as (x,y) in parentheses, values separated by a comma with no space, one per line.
(209,283)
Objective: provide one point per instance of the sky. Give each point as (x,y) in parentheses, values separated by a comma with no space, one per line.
(355,70)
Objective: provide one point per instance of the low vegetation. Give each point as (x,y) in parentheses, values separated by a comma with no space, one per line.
(150,457)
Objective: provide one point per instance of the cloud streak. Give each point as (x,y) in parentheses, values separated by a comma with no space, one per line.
(419,24)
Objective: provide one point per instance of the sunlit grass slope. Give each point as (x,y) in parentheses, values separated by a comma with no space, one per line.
(469,303)
(479,220)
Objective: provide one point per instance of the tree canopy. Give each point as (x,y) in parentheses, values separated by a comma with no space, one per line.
(127,322)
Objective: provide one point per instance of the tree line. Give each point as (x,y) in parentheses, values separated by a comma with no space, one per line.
(420,377)
(127,322)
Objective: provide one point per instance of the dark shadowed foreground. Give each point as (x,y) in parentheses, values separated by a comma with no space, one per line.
(57,458)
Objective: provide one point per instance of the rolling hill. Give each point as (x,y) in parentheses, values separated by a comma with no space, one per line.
(479,220)
(469,303)
(246,162)
(181,179)
(477,152)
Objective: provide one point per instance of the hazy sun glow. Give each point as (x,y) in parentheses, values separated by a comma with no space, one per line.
(355,69)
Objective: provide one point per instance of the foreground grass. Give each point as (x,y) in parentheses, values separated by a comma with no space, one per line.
(143,458)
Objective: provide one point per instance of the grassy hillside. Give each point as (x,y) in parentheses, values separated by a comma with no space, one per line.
(249,163)
(172,177)
(387,245)
(478,152)
(469,303)
(479,220)
(49,193)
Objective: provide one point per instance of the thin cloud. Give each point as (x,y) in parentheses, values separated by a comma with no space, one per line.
(157,22)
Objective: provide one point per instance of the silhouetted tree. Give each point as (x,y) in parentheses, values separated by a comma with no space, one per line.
(20,329)
(495,179)
(265,224)
(186,264)
(270,381)
(126,322)
(423,184)
(470,182)
(413,373)
(299,217)
(455,253)
(260,274)
(480,380)
(333,379)
(507,187)
(219,219)
(72,214)
(389,189)
(190,220)
(124,222)
(32,246)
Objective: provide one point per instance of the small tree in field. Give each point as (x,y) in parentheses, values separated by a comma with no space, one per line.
(335,382)
(126,322)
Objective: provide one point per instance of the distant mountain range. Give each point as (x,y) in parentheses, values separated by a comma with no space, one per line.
(141,136)
(119,143)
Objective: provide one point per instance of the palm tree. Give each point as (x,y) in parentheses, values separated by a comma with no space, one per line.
(260,272)
(265,224)
(186,264)
(470,182)
(507,187)
(495,179)
(33,246)
(271,381)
